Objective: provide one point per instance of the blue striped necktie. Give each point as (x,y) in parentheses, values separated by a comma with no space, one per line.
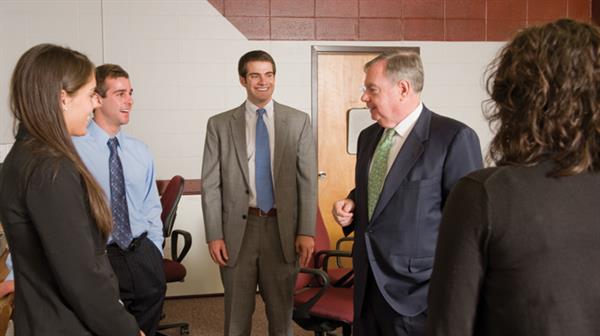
(121,233)
(262,164)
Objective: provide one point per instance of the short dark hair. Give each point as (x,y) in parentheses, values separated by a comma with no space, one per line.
(253,56)
(105,71)
(545,103)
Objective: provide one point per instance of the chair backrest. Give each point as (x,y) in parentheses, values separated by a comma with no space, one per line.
(169,201)
(321,236)
(321,243)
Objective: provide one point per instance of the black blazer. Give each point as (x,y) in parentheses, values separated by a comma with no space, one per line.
(518,254)
(398,244)
(64,282)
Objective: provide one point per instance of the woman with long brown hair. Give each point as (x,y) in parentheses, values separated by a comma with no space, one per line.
(53,212)
(519,244)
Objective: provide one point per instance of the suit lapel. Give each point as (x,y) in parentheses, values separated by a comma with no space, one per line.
(364,162)
(238,134)
(281,136)
(409,154)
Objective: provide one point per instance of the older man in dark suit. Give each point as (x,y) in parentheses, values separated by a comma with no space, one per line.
(407,163)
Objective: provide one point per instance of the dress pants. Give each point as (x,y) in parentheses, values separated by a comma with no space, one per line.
(142,284)
(378,318)
(261,263)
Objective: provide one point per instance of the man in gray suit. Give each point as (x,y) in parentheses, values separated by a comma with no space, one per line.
(406,164)
(259,199)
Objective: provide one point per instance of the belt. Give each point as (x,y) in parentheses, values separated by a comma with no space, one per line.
(259,213)
(135,243)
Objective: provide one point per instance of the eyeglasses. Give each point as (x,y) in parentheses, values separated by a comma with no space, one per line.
(371,90)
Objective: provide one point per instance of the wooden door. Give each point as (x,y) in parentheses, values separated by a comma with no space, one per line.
(337,81)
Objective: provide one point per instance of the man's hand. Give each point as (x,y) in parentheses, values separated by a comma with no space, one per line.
(343,211)
(305,246)
(7,287)
(218,252)
(142,333)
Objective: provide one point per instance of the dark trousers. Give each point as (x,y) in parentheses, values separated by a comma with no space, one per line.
(141,281)
(378,318)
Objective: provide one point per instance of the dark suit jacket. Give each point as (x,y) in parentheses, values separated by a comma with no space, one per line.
(64,282)
(398,244)
(518,254)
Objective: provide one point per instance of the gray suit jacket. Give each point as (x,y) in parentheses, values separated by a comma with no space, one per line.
(225,185)
(398,243)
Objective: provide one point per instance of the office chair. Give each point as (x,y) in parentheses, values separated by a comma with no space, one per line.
(174,270)
(320,303)
(339,276)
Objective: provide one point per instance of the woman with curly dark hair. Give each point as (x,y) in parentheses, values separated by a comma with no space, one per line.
(519,244)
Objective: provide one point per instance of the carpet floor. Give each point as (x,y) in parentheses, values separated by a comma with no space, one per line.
(205,316)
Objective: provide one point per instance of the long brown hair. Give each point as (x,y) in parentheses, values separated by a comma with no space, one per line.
(544,98)
(39,76)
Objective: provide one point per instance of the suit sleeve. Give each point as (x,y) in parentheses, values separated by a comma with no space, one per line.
(459,262)
(352,194)
(211,185)
(59,212)
(306,178)
(152,207)
(464,157)
(350,228)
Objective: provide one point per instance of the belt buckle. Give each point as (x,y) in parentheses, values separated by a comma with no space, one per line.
(262,213)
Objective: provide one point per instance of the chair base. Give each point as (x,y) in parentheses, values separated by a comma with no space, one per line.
(322,326)
(184,328)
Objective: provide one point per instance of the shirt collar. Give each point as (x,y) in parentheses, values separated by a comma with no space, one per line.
(100,136)
(405,126)
(251,109)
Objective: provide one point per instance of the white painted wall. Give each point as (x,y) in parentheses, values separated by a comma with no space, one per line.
(182,57)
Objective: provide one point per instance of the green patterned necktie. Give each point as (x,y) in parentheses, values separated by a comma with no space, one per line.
(379,168)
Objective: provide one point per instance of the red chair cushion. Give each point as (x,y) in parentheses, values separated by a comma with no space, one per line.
(335,304)
(303,280)
(336,274)
(174,271)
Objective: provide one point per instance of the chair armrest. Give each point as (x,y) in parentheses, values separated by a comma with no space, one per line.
(322,277)
(187,244)
(325,254)
(342,240)
(338,246)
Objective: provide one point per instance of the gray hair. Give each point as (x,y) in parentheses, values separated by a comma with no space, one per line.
(401,65)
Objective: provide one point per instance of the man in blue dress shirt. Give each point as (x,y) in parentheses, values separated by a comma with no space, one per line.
(135,246)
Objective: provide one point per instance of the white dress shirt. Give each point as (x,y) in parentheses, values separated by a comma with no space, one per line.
(403,129)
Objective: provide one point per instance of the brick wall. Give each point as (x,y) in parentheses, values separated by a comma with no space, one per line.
(394,20)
